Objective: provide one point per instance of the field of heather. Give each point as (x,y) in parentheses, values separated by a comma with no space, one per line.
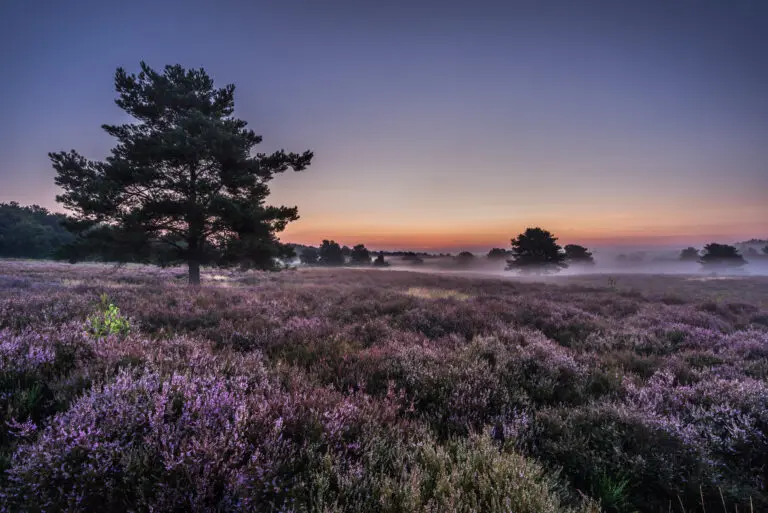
(380,391)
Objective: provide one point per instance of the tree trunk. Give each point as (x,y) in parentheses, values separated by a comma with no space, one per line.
(194,272)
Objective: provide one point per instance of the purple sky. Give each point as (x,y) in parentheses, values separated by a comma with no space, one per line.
(439,125)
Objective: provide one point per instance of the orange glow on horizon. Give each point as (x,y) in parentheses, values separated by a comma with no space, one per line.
(457,236)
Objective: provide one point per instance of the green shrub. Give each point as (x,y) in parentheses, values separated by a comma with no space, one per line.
(108,320)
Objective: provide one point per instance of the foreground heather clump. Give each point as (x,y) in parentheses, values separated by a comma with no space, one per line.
(343,390)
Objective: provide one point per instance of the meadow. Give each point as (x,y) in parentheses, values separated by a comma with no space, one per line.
(330,390)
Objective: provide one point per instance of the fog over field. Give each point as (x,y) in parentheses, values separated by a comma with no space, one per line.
(608,261)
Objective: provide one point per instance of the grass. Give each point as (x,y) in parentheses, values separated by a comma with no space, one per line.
(433,293)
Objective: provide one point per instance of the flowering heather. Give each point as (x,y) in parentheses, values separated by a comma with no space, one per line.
(345,390)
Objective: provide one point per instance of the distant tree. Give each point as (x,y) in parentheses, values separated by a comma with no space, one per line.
(464,258)
(346,251)
(765,249)
(410,256)
(380,262)
(689,254)
(360,255)
(31,231)
(498,254)
(183,175)
(721,255)
(576,254)
(536,251)
(330,253)
(309,256)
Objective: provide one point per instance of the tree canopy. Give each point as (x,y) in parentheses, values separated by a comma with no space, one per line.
(498,254)
(330,253)
(309,255)
(359,255)
(689,254)
(31,231)
(182,176)
(464,258)
(536,251)
(413,258)
(721,255)
(580,255)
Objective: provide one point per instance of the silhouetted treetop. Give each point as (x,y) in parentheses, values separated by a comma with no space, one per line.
(464,258)
(330,253)
(689,254)
(360,256)
(578,255)
(497,254)
(183,176)
(536,251)
(721,255)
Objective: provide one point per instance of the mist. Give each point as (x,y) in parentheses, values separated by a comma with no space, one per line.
(608,261)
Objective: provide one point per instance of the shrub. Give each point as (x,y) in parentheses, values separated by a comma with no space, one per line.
(108,320)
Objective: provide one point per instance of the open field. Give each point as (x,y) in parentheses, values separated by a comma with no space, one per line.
(362,390)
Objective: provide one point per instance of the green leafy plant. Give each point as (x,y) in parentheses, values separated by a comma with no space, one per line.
(108,320)
(613,493)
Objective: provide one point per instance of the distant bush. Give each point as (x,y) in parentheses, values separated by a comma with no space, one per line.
(464,258)
(379,261)
(497,254)
(690,254)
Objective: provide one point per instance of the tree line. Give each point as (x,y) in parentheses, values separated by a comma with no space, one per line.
(31,232)
(330,253)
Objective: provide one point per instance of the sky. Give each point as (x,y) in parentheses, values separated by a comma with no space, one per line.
(436,125)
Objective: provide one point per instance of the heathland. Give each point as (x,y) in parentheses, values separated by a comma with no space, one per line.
(378,390)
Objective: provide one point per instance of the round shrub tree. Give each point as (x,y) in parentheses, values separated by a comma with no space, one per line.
(721,256)
(579,255)
(536,251)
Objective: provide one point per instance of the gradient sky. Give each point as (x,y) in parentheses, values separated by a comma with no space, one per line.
(435,124)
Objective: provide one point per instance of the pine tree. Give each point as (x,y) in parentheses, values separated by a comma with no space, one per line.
(182,176)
